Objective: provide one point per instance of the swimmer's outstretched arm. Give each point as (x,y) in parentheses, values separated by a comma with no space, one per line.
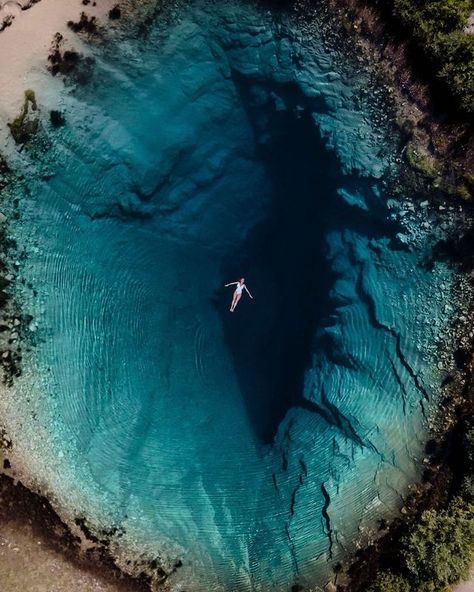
(245,288)
(231,284)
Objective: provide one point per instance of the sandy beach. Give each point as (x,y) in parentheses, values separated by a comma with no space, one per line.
(36,553)
(465,586)
(25,45)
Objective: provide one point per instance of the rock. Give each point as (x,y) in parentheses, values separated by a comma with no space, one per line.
(115,13)
(3,218)
(330,587)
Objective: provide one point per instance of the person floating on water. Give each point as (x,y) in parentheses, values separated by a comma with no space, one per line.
(238,292)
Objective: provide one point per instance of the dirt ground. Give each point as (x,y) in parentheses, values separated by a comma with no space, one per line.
(29,564)
(39,554)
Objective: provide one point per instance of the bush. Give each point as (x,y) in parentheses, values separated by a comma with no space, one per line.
(436,28)
(469,438)
(440,548)
(467,490)
(85,24)
(390,583)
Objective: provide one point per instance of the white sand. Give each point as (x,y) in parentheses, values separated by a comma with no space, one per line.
(25,46)
(465,586)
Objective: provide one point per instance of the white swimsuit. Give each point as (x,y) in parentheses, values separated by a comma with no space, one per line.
(239,288)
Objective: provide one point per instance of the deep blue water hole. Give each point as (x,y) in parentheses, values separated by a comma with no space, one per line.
(284,258)
(253,448)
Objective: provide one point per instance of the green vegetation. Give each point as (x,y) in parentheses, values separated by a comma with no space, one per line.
(437,29)
(438,549)
(24,127)
(391,583)
(85,23)
(421,161)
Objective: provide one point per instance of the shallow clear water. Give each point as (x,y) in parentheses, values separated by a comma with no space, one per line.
(254,447)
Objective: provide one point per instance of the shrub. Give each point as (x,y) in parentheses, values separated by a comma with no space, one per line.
(467,490)
(469,438)
(436,28)
(390,583)
(85,23)
(440,548)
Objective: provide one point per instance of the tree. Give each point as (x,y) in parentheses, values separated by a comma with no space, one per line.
(389,582)
(440,548)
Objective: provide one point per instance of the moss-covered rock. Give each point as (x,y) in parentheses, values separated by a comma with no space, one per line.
(421,161)
(56,118)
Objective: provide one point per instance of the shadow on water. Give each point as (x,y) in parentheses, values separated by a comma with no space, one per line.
(283,261)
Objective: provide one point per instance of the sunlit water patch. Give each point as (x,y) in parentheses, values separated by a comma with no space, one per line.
(244,451)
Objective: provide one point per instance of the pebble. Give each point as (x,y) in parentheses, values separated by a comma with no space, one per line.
(3,218)
(5,354)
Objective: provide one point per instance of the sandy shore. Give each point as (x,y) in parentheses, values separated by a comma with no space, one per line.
(28,563)
(25,45)
(38,554)
(465,586)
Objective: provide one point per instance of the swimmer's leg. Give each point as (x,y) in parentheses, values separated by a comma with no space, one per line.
(237,298)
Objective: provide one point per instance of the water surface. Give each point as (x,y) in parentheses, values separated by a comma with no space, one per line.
(250,449)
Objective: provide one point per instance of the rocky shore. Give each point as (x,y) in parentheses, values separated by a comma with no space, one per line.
(439,160)
(37,550)
(39,553)
(439,141)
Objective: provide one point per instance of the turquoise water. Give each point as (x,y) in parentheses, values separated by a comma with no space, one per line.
(255,448)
